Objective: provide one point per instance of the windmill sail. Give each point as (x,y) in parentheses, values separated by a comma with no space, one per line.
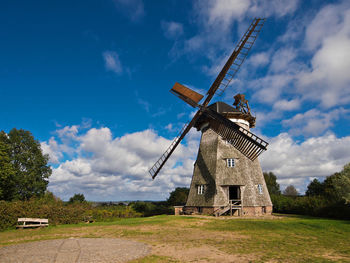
(235,61)
(165,156)
(243,140)
(187,95)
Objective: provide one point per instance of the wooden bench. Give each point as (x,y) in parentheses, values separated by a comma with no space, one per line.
(32,222)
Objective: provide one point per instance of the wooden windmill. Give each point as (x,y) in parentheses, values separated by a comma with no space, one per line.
(227,176)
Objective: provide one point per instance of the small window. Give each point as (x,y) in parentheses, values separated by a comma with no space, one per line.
(230,162)
(260,189)
(200,189)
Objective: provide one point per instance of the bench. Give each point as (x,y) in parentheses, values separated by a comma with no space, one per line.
(32,222)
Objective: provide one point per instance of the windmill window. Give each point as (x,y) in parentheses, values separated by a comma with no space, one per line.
(200,189)
(230,162)
(260,189)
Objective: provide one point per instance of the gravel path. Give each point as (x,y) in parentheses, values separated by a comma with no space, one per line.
(74,250)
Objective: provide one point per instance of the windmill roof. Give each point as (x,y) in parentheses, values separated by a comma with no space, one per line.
(222,107)
(230,112)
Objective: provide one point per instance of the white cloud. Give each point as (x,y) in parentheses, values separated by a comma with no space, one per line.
(286,105)
(327,22)
(107,168)
(277,8)
(290,75)
(328,36)
(64,142)
(145,104)
(53,150)
(112,62)
(223,12)
(215,20)
(258,60)
(282,59)
(327,44)
(270,88)
(172,30)
(116,168)
(68,132)
(313,122)
(294,163)
(134,9)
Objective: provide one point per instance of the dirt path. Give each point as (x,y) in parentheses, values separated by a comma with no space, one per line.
(75,250)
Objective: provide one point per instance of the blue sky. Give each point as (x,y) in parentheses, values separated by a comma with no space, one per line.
(91,80)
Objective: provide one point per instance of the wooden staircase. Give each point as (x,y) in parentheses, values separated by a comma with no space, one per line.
(233,205)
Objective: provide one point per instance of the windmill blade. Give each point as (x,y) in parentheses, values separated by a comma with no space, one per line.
(243,140)
(186,94)
(235,61)
(165,156)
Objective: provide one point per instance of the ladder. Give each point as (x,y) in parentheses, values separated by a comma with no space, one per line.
(243,48)
(159,164)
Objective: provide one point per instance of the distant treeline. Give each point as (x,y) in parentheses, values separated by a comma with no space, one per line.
(330,198)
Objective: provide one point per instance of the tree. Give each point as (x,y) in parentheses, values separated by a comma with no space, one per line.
(31,171)
(334,188)
(7,171)
(77,198)
(178,196)
(290,191)
(271,182)
(342,184)
(315,188)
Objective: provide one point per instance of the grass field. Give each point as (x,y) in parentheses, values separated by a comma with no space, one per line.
(208,239)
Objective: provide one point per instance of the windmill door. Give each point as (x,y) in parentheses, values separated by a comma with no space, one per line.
(234,193)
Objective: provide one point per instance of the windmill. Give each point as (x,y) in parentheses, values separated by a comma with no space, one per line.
(225,130)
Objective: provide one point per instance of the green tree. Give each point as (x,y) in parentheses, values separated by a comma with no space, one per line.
(77,198)
(7,171)
(178,196)
(330,191)
(31,171)
(342,184)
(290,191)
(315,188)
(271,182)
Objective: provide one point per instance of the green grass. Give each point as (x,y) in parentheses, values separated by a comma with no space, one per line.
(179,239)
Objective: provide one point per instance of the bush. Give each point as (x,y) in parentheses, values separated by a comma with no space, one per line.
(110,213)
(310,205)
(152,208)
(58,212)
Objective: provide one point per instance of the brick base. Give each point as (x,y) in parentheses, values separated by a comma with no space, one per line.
(247,211)
(257,210)
(196,210)
(178,210)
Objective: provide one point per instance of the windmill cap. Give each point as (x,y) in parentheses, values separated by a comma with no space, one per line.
(232,113)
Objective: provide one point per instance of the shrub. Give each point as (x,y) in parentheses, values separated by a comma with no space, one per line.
(310,205)
(58,212)
(152,208)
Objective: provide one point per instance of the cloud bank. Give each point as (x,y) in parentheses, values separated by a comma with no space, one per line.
(103,167)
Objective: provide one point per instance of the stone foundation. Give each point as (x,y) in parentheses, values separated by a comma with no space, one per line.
(257,210)
(178,210)
(247,211)
(198,210)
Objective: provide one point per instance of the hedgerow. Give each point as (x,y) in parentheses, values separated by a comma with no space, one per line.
(59,212)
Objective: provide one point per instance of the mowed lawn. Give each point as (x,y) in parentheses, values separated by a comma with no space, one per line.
(208,239)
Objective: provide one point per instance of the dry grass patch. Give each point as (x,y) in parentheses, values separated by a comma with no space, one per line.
(208,239)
